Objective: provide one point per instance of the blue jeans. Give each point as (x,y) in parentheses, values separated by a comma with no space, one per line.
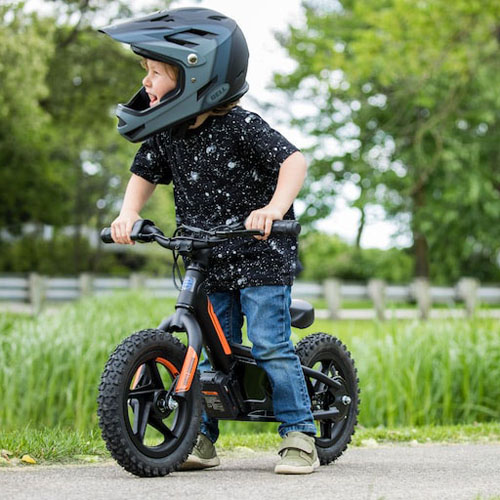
(267,309)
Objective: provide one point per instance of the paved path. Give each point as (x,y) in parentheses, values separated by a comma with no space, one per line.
(469,472)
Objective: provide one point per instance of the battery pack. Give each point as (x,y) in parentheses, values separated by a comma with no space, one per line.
(219,395)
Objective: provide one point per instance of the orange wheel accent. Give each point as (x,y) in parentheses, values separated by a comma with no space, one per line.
(136,376)
(168,365)
(165,362)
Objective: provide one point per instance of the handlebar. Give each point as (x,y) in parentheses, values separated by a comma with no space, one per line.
(143,230)
(193,238)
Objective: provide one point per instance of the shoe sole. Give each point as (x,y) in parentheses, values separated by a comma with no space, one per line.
(196,463)
(296,469)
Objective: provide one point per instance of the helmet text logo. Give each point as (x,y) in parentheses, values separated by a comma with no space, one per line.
(218,93)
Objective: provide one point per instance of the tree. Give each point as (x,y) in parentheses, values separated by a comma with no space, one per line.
(25,170)
(403,102)
(63,163)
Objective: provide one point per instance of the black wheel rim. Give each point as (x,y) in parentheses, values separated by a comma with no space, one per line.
(154,421)
(325,398)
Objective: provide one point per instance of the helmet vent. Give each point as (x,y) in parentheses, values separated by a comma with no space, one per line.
(203,33)
(167,19)
(217,18)
(205,88)
(179,41)
(187,37)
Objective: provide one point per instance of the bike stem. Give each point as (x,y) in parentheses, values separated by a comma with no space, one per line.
(192,313)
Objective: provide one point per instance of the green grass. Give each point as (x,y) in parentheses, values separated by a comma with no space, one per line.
(439,372)
(53,445)
(63,445)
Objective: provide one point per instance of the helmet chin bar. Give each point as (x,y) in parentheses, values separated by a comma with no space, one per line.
(140,101)
(139,105)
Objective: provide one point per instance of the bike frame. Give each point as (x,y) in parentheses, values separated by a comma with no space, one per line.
(194,315)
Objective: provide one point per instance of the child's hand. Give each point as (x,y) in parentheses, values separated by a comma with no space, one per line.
(121,227)
(263,219)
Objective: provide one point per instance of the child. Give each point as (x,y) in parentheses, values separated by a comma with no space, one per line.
(226,165)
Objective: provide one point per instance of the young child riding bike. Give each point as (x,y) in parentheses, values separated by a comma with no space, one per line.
(227,165)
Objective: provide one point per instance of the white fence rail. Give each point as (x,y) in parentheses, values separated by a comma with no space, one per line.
(36,290)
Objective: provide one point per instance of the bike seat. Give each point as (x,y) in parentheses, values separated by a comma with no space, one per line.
(302,313)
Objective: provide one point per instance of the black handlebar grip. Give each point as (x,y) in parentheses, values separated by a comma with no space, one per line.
(106,235)
(291,227)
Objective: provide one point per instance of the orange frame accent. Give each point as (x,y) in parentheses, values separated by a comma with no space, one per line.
(188,371)
(218,328)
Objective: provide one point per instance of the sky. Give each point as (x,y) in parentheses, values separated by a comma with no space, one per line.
(259,20)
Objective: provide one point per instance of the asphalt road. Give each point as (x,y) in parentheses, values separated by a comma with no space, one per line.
(455,472)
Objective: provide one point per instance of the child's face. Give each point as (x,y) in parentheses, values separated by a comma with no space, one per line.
(158,81)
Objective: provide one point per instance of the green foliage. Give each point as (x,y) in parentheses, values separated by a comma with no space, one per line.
(62,162)
(55,257)
(402,99)
(441,374)
(70,346)
(326,256)
(26,46)
(411,373)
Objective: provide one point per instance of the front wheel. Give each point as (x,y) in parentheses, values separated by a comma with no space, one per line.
(335,405)
(147,430)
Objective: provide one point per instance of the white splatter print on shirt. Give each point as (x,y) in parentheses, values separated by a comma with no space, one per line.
(221,171)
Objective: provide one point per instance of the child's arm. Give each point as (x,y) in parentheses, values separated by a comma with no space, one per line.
(290,179)
(137,193)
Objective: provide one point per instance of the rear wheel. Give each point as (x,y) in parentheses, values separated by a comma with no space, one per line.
(147,430)
(335,405)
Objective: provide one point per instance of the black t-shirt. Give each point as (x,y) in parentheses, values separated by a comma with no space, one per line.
(221,171)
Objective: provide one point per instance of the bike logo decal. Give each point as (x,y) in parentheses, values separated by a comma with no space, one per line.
(189,284)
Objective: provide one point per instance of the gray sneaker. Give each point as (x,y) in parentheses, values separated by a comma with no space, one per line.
(298,454)
(203,455)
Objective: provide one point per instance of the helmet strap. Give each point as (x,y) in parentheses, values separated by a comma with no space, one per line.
(179,131)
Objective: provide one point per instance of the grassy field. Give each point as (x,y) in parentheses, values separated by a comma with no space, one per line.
(439,372)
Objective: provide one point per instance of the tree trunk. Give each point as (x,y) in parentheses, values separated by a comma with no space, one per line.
(78,219)
(360,228)
(421,248)
(421,255)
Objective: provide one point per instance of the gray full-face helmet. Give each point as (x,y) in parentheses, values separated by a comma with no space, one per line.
(209,50)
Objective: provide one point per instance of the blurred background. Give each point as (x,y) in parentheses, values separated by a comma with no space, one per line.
(395,104)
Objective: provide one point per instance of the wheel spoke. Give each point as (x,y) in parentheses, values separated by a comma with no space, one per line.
(161,427)
(141,416)
(328,368)
(326,429)
(141,392)
(155,374)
